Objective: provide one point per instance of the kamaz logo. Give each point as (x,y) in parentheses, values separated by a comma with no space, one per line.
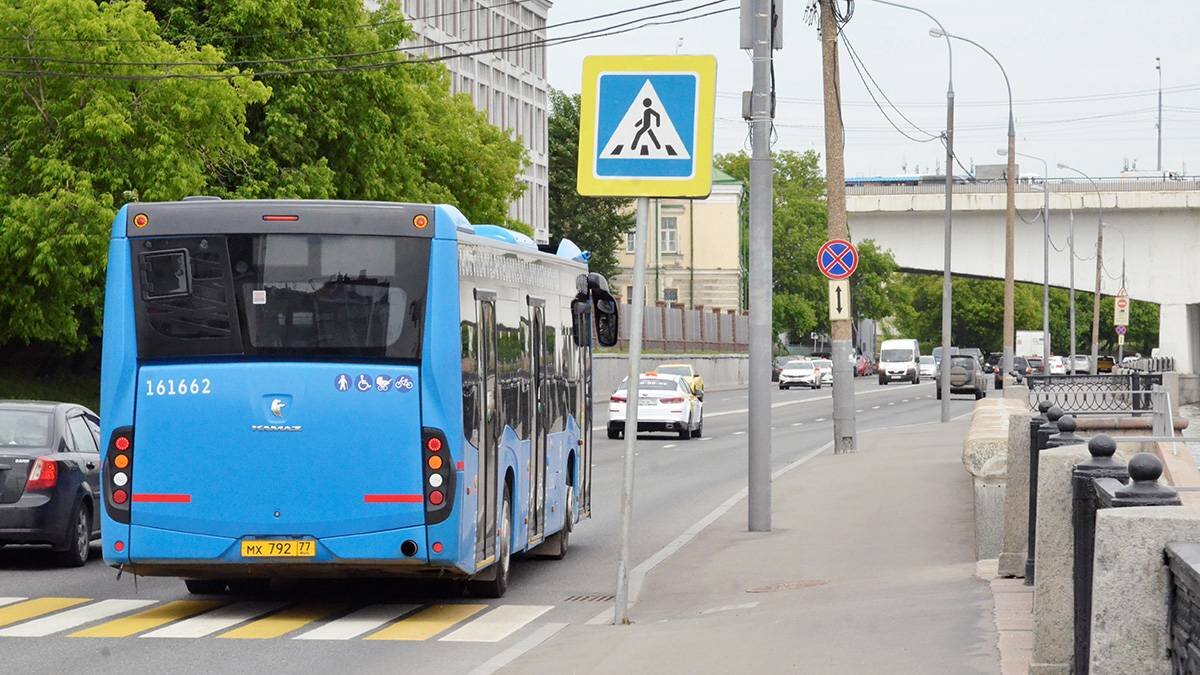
(275,427)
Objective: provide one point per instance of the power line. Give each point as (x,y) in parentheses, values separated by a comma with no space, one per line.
(1082,98)
(855,62)
(549,42)
(379,52)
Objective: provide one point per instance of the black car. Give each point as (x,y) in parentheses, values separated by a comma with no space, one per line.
(50,477)
(777,364)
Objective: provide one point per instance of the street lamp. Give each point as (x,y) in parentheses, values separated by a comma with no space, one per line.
(1099,266)
(1045,259)
(1010,206)
(947,289)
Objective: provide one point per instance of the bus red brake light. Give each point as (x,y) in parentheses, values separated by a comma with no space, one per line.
(434,444)
(121,444)
(117,473)
(286,218)
(439,475)
(436,497)
(43,475)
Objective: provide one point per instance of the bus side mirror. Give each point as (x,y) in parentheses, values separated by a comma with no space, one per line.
(606,317)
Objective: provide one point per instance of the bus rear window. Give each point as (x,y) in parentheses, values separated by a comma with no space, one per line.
(285,295)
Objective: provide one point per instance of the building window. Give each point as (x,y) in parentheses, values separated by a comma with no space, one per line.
(629,242)
(668,234)
(671,295)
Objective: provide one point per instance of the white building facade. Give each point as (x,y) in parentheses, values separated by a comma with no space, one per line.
(509,85)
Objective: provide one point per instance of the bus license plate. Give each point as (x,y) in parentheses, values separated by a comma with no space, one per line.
(279,548)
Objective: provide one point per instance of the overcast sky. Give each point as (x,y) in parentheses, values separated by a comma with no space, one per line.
(1100,51)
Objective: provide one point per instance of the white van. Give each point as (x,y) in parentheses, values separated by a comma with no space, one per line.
(899,360)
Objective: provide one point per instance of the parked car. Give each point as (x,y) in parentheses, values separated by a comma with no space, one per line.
(800,373)
(50,477)
(927,368)
(966,376)
(1082,364)
(1058,365)
(687,372)
(1104,364)
(665,403)
(825,367)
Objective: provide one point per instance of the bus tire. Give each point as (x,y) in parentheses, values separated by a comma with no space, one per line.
(205,586)
(555,546)
(613,432)
(494,581)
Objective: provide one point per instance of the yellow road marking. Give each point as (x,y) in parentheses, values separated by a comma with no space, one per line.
(427,622)
(36,607)
(149,619)
(282,622)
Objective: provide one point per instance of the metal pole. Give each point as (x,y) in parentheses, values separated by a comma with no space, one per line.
(637,306)
(1046,274)
(1158,67)
(841,330)
(1099,265)
(761,213)
(947,286)
(1071,254)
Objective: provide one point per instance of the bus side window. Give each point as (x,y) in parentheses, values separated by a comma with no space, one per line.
(470,382)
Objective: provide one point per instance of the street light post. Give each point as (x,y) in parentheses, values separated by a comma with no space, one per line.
(1045,261)
(1099,265)
(1010,208)
(947,288)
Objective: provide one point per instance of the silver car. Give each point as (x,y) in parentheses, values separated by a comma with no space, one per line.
(966,377)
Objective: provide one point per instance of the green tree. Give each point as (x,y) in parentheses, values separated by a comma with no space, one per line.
(72,149)
(596,224)
(389,132)
(799,230)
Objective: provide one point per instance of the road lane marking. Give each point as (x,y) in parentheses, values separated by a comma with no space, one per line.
(819,419)
(706,438)
(497,624)
(216,620)
(874,407)
(904,401)
(797,424)
(669,445)
(10,600)
(73,618)
(149,619)
(891,403)
(545,632)
(427,622)
(857,411)
(281,623)
(29,609)
(738,433)
(356,623)
(729,608)
(781,404)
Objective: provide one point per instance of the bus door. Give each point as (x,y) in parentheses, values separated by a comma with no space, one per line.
(537,442)
(485,513)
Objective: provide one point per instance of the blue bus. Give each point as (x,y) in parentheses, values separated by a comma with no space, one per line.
(335,388)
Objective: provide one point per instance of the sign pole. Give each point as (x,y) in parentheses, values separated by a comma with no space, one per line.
(637,305)
(761,214)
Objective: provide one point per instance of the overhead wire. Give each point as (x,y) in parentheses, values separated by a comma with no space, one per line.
(607,31)
(855,62)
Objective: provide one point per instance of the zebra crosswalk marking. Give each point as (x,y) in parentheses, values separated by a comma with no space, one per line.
(149,619)
(497,624)
(427,622)
(73,618)
(215,621)
(23,611)
(356,623)
(282,622)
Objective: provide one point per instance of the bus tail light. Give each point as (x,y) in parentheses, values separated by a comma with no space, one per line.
(43,475)
(117,474)
(439,476)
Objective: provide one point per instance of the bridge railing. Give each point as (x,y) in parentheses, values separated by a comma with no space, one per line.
(1095,394)
(1059,185)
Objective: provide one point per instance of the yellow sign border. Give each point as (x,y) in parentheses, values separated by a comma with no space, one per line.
(700,183)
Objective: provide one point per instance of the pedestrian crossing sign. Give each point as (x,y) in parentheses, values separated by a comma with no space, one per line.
(646,126)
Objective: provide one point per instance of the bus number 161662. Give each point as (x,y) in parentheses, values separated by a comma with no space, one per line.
(180,387)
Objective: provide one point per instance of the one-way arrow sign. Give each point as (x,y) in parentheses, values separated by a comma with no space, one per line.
(839,299)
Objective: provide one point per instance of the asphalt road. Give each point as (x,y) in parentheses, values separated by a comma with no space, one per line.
(678,483)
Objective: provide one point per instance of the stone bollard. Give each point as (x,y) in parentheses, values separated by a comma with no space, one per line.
(1016,498)
(1066,434)
(1083,524)
(1040,437)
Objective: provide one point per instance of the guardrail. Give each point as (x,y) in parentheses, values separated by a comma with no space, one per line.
(1094,394)
(674,328)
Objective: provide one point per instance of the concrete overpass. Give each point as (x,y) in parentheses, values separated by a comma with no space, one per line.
(1156,222)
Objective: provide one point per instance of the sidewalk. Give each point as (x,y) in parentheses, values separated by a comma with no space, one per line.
(869,569)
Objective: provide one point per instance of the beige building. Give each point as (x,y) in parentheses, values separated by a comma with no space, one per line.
(693,251)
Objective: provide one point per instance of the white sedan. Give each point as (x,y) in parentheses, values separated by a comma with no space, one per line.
(665,403)
(800,373)
(1058,365)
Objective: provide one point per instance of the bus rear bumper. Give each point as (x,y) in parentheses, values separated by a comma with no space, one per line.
(159,552)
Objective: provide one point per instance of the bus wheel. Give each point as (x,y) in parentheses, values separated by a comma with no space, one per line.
(494,581)
(613,433)
(555,546)
(205,586)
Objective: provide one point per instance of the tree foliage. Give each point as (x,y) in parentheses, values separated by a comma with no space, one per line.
(596,224)
(74,148)
(799,230)
(71,150)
